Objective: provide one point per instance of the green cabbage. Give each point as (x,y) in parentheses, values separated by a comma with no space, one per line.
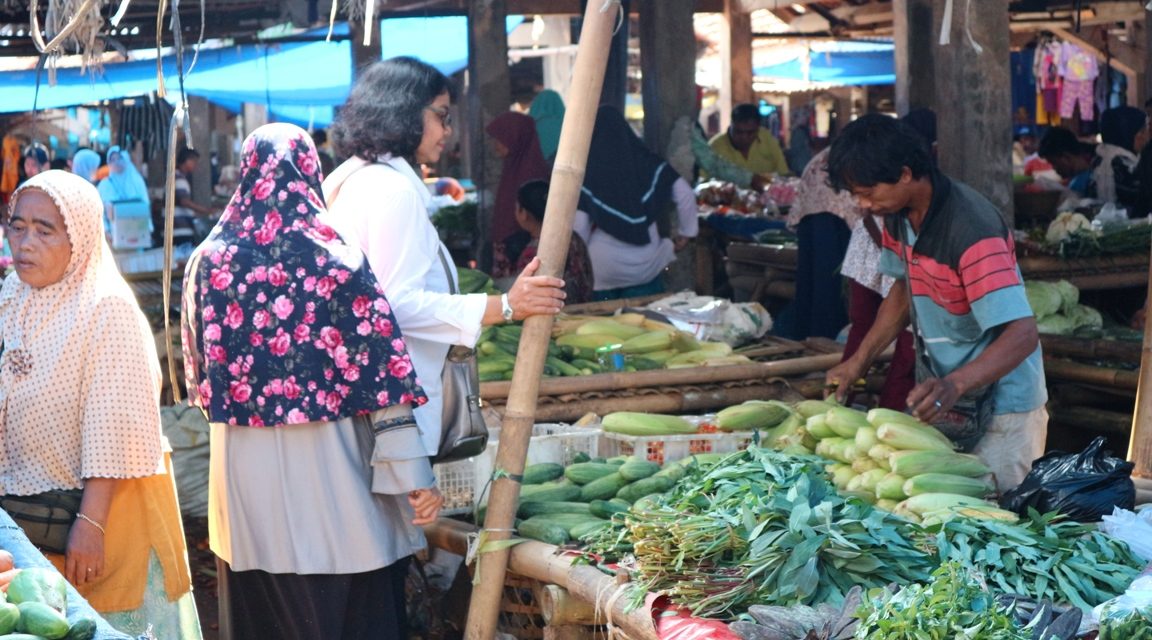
(1069,295)
(1044,297)
(1085,317)
(1055,325)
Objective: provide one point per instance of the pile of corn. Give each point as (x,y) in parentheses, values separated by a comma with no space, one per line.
(646,344)
(894,461)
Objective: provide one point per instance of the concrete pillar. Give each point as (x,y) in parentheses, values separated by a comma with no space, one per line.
(915,38)
(668,66)
(974,105)
(489,95)
(735,60)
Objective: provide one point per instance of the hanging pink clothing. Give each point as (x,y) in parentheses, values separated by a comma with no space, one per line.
(1076,64)
(1077,91)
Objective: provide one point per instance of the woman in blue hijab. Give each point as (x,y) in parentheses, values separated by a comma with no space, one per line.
(85,163)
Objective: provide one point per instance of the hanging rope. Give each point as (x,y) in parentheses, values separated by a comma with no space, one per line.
(178,120)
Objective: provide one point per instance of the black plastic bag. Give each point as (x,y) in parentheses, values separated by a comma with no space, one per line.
(1083,486)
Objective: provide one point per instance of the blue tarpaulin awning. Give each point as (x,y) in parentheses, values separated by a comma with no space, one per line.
(299,82)
(836,64)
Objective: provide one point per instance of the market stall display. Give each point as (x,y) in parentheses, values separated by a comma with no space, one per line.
(771,532)
(37,600)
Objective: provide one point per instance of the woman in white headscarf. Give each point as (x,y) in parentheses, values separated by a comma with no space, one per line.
(79,410)
(124,182)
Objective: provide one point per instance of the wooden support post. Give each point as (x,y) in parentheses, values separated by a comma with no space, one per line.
(200,117)
(1145,89)
(489,95)
(915,33)
(735,60)
(567,176)
(669,74)
(973,99)
(668,66)
(1140,446)
(363,56)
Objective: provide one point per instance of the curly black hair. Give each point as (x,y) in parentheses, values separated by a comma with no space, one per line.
(385,112)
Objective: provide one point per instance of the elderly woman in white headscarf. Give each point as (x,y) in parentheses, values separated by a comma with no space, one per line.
(79,410)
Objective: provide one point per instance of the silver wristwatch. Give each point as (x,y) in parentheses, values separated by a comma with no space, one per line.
(505,308)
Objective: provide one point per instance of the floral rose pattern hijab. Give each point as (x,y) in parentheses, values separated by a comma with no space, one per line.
(284,323)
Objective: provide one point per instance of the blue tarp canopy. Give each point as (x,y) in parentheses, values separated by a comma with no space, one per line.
(837,64)
(299,82)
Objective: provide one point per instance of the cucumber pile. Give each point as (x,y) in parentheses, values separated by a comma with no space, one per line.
(561,504)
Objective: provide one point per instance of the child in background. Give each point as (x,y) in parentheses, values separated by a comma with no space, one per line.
(531,200)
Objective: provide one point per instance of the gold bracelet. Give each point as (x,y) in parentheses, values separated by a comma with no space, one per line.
(91,522)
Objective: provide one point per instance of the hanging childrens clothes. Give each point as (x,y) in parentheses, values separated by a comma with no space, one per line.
(1079,69)
(1049,80)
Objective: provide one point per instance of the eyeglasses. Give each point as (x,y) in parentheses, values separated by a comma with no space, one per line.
(445,116)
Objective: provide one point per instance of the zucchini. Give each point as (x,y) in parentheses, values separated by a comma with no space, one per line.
(603,488)
(549,492)
(531,509)
(543,530)
(542,472)
(607,508)
(585,472)
(645,487)
(638,469)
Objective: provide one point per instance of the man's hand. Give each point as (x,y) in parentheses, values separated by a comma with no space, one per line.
(934,397)
(839,379)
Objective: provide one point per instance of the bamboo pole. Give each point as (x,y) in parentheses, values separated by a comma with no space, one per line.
(542,562)
(1092,349)
(670,400)
(567,178)
(1140,445)
(1076,372)
(663,377)
(610,306)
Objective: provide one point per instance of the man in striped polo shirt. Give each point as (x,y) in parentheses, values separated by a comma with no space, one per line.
(953,248)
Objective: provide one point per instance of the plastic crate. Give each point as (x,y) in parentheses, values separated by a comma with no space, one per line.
(662,449)
(463,482)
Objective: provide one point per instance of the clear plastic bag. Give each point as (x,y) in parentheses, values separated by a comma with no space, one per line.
(1128,617)
(1134,528)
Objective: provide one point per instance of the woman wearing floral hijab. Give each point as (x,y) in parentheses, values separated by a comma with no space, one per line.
(318,478)
(80,410)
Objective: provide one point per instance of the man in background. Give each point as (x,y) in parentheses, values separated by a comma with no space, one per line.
(187,228)
(746,144)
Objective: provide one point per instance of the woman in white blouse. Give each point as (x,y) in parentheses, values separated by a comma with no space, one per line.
(80,412)
(398,117)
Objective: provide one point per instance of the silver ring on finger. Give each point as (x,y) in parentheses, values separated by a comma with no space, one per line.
(938,404)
